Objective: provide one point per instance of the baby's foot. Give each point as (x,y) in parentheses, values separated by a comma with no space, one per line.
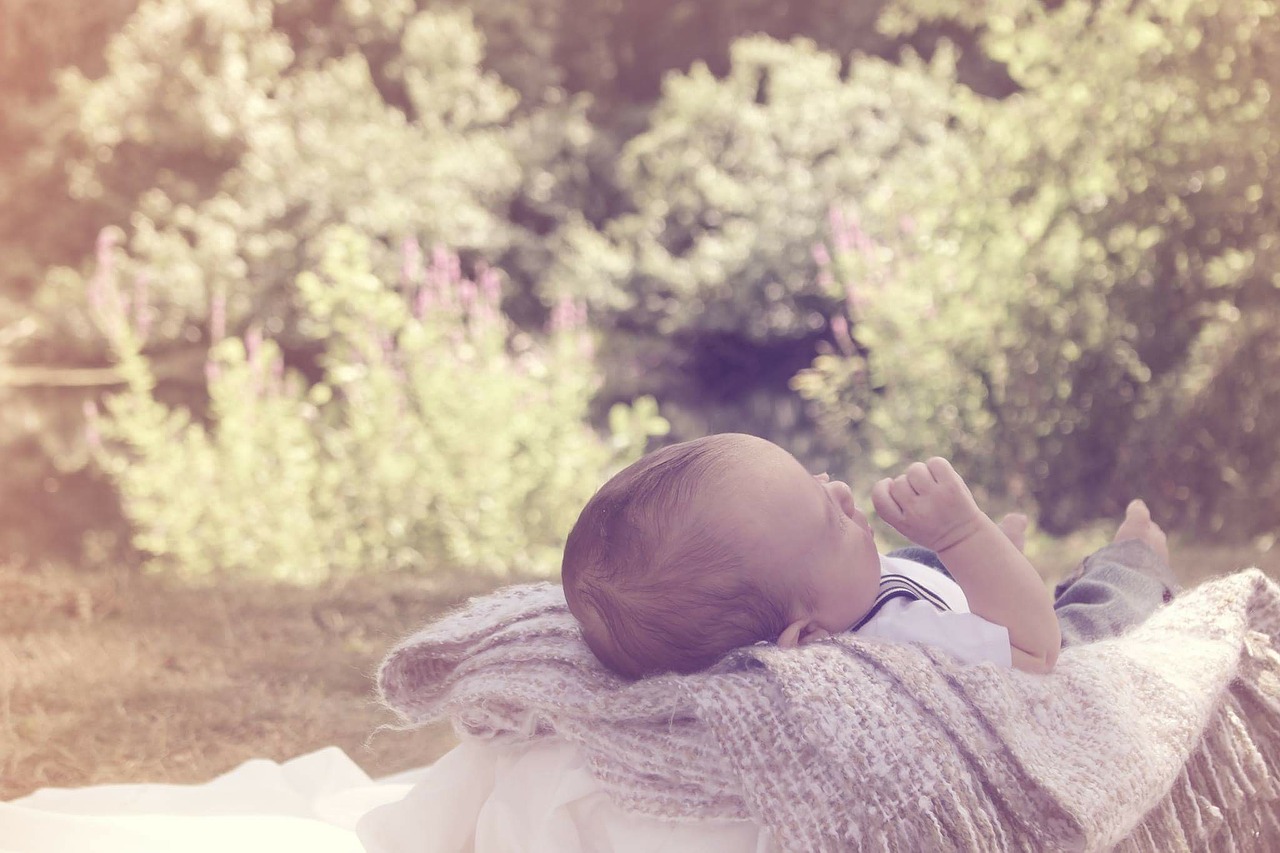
(1138,525)
(1014,525)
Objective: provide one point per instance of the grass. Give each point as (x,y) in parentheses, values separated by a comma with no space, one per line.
(115,676)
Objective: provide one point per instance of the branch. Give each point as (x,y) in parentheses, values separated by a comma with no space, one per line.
(181,364)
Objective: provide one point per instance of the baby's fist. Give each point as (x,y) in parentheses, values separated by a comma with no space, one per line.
(929,504)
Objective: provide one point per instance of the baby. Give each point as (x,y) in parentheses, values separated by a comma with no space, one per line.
(725,541)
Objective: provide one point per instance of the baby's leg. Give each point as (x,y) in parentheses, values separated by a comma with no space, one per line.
(1014,526)
(1119,585)
(1138,525)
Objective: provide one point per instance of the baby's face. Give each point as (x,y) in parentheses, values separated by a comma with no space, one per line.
(803,537)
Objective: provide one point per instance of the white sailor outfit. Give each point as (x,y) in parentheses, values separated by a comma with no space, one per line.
(919,604)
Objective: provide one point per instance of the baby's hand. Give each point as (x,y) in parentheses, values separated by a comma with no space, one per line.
(929,504)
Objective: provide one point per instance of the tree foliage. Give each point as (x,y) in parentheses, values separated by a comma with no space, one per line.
(1093,253)
(1039,237)
(433,439)
(731,181)
(260,154)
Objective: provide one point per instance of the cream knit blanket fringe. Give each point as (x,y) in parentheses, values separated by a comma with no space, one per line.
(1164,739)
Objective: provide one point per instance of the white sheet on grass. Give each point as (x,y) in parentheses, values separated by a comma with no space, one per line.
(310,803)
(479,798)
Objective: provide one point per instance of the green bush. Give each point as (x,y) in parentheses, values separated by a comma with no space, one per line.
(1054,287)
(730,182)
(905,376)
(436,438)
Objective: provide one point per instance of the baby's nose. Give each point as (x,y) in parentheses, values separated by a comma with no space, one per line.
(843,496)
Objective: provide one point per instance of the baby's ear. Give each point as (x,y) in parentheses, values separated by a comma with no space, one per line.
(801,632)
(790,636)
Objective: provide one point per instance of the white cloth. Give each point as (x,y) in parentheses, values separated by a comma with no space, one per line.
(536,797)
(967,636)
(309,803)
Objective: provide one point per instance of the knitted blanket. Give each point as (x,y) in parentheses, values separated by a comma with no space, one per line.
(1165,738)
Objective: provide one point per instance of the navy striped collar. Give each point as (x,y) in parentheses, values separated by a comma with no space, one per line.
(893,585)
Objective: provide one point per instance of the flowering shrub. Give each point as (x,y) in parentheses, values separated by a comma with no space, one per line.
(905,377)
(438,436)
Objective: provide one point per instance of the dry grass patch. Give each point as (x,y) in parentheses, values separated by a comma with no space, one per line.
(115,677)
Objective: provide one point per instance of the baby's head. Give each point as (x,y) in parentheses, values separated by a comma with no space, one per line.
(712,544)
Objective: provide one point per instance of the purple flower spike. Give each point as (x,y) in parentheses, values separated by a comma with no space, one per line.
(855,299)
(108,238)
(386,344)
(467,293)
(439,281)
(840,331)
(410,264)
(563,315)
(422,302)
(253,345)
(839,229)
(102,292)
(440,257)
(821,256)
(490,286)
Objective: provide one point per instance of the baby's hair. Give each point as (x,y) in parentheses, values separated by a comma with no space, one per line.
(656,588)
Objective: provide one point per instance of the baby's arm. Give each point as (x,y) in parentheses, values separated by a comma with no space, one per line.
(931,505)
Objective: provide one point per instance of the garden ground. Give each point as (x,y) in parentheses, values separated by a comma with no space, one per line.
(112,675)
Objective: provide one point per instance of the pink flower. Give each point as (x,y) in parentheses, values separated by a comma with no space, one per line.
(410,264)
(840,332)
(839,229)
(490,286)
(563,315)
(253,345)
(102,285)
(821,256)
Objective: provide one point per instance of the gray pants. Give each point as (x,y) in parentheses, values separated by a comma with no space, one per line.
(1117,586)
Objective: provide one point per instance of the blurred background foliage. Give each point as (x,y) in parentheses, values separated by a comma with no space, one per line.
(1040,237)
